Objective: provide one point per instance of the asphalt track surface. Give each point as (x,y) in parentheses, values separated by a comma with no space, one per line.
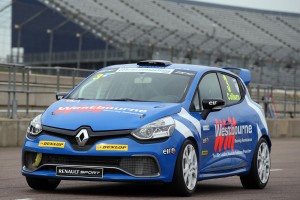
(284,182)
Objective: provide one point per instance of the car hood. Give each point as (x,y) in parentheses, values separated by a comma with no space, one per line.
(105,115)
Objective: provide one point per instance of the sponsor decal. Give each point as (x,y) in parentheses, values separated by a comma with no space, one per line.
(231,153)
(97,108)
(205,140)
(212,103)
(112,147)
(205,127)
(225,133)
(186,73)
(204,152)
(151,70)
(79,171)
(54,144)
(107,74)
(243,140)
(107,70)
(169,151)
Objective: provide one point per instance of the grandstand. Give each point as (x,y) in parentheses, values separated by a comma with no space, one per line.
(181,31)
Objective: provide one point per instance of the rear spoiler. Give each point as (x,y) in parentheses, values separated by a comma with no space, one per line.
(244,74)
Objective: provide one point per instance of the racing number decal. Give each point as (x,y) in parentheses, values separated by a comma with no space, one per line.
(230,95)
(97,76)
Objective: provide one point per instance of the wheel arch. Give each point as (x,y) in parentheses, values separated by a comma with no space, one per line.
(267,138)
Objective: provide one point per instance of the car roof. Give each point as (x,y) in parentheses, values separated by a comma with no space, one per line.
(189,67)
(243,74)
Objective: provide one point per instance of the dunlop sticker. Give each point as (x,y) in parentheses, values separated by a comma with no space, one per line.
(54,144)
(112,147)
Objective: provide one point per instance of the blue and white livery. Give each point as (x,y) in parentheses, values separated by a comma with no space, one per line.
(151,121)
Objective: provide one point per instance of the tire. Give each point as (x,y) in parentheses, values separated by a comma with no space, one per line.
(42,183)
(186,170)
(260,167)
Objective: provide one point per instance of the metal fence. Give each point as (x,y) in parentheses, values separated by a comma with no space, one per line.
(16,79)
(23,88)
(278,102)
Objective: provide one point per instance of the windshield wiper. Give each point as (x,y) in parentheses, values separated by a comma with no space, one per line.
(78,99)
(122,99)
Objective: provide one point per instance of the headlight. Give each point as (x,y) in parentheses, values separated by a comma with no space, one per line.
(158,129)
(35,126)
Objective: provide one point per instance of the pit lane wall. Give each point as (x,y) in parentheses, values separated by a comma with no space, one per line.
(12,131)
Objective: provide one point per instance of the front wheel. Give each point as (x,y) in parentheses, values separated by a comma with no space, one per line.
(260,168)
(186,170)
(42,183)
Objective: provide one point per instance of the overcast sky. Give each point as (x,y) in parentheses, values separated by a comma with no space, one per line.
(5,26)
(292,6)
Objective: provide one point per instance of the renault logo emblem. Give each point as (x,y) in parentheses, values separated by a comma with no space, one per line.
(82,137)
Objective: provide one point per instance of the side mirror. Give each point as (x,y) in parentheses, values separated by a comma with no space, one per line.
(211,105)
(61,95)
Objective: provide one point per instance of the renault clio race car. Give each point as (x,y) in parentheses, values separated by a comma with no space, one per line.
(151,121)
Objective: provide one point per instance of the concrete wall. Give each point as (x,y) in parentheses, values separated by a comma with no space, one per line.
(12,131)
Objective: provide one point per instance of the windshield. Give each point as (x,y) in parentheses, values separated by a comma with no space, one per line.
(135,84)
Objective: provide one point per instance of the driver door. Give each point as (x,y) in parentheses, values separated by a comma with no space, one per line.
(215,147)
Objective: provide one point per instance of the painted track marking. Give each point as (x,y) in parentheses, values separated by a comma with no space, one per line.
(276,170)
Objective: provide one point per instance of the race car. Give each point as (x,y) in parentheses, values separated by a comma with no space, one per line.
(151,121)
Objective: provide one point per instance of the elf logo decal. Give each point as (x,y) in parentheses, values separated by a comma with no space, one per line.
(169,151)
(212,103)
(226,132)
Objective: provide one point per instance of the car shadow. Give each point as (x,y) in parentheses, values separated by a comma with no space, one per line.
(139,189)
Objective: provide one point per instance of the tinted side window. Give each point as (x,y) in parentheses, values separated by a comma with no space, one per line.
(209,87)
(231,89)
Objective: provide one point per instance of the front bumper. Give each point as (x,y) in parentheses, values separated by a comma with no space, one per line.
(140,162)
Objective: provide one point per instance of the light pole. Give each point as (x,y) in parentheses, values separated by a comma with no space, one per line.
(19,28)
(107,42)
(79,36)
(50,32)
(51,39)
(129,50)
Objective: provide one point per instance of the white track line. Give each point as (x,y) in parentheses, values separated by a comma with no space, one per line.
(276,170)
(25,199)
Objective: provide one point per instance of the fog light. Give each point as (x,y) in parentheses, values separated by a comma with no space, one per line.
(32,160)
(38,160)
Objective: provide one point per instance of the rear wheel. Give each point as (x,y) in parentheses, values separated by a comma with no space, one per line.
(260,168)
(186,171)
(42,183)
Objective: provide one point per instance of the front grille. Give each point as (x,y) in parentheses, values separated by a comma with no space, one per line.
(134,165)
(95,136)
(140,166)
(80,160)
